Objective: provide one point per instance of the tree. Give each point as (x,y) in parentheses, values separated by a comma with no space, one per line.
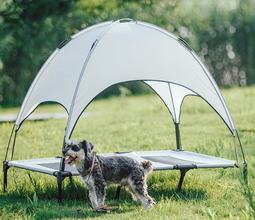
(25,27)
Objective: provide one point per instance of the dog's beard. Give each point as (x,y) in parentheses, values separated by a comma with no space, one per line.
(70,159)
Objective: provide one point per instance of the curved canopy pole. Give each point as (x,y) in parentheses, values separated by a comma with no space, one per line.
(9,143)
(46,86)
(15,129)
(172,95)
(175,115)
(59,75)
(93,46)
(245,165)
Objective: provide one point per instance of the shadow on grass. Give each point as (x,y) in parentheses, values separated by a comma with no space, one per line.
(182,195)
(43,204)
(46,209)
(247,130)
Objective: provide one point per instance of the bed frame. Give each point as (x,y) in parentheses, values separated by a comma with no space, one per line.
(161,160)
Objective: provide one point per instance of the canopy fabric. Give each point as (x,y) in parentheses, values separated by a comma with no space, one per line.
(58,77)
(172,95)
(116,52)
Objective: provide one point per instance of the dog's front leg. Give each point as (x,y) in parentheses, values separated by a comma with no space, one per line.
(93,198)
(92,194)
(100,192)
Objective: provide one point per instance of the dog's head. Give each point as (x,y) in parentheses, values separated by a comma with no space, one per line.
(76,152)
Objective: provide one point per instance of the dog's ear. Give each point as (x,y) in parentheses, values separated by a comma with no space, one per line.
(91,146)
(85,147)
(84,144)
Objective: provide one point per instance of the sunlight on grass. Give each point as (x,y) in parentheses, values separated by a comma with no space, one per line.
(136,123)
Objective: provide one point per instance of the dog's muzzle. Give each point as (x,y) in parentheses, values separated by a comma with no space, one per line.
(69,159)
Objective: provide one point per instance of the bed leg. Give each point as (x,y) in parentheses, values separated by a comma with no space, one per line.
(183,173)
(5,171)
(72,183)
(60,179)
(117,195)
(61,175)
(71,180)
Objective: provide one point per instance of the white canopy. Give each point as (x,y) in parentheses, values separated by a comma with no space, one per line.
(116,52)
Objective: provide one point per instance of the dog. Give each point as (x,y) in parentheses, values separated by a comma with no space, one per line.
(98,172)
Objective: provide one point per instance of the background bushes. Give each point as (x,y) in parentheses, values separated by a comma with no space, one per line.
(221,32)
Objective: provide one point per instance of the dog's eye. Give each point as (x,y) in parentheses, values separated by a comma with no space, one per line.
(75,148)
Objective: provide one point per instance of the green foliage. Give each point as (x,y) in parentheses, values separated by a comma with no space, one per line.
(221,32)
(29,31)
(138,123)
(224,40)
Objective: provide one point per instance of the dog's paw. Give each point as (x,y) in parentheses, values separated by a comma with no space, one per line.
(102,209)
(106,209)
(150,204)
(153,202)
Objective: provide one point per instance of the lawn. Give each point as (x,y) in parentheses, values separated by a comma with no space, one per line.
(137,123)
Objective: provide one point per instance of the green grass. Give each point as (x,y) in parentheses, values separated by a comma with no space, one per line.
(137,123)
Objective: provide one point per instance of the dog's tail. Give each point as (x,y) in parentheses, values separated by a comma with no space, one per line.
(147,166)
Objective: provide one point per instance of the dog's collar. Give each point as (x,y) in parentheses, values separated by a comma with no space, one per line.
(89,171)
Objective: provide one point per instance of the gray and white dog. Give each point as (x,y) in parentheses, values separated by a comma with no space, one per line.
(99,171)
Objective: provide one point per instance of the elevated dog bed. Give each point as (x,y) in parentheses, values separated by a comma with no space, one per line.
(161,160)
(115,52)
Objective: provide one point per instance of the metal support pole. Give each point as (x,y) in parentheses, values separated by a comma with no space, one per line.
(61,175)
(62,164)
(9,142)
(117,195)
(60,179)
(183,173)
(62,160)
(5,170)
(178,136)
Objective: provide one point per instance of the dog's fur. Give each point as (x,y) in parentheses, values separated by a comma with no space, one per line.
(106,170)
